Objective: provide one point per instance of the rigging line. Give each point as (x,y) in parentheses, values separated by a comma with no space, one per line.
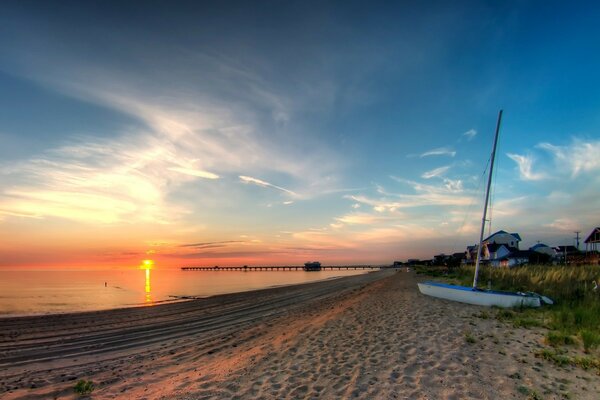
(472,202)
(493,195)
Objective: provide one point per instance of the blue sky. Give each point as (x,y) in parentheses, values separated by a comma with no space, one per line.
(281,132)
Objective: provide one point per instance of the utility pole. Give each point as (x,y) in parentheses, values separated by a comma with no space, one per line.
(577,238)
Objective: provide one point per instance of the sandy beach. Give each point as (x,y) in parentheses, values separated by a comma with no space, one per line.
(369,336)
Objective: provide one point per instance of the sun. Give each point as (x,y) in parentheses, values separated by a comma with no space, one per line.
(147,264)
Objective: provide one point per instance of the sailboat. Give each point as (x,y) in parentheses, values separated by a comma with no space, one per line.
(475,295)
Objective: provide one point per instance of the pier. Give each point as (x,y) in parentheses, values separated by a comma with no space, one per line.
(286,268)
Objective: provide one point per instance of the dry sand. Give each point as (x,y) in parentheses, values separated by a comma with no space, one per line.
(369,337)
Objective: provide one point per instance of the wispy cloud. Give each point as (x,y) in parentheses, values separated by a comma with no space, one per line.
(435,172)
(579,156)
(195,172)
(440,151)
(99,182)
(525,165)
(202,245)
(358,219)
(470,134)
(179,135)
(260,182)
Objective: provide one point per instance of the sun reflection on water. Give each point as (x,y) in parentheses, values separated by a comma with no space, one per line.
(147,265)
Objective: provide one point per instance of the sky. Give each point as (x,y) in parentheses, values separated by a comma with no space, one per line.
(232,133)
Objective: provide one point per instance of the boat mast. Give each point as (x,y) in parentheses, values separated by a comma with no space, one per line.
(487,198)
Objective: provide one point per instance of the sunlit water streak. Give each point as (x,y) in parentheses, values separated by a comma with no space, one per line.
(43,292)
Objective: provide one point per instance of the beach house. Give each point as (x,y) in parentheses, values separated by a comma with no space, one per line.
(542,254)
(500,249)
(592,242)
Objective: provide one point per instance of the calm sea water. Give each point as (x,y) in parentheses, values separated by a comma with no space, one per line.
(44,292)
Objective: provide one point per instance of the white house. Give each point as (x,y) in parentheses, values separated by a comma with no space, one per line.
(510,240)
(499,250)
(544,249)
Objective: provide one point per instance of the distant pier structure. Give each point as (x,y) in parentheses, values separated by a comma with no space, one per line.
(309,266)
(312,266)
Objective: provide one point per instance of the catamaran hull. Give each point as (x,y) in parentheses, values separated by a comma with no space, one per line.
(477,297)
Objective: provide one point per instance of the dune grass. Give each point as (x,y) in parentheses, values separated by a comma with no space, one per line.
(575,316)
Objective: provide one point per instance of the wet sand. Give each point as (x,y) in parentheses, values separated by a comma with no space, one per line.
(369,336)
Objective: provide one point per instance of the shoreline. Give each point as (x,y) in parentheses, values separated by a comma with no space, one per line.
(171,299)
(364,336)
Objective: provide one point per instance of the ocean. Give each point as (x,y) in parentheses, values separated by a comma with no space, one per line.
(52,291)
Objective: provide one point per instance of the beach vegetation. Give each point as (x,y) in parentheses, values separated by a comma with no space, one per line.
(84,387)
(469,338)
(562,360)
(526,322)
(530,393)
(533,395)
(573,319)
(557,338)
(590,339)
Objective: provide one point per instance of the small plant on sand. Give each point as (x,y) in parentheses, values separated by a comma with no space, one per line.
(505,314)
(590,339)
(469,338)
(84,387)
(526,322)
(554,357)
(532,394)
(556,339)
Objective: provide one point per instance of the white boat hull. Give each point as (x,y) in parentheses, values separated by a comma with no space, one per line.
(478,297)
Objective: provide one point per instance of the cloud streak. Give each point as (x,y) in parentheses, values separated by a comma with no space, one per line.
(259,182)
(470,134)
(440,151)
(525,165)
(435,172)
(579,157)
(195,172)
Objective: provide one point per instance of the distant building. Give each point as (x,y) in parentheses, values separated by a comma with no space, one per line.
(515,258)
(510,240)
(593,240)
(542,254)
(499,250)
(568,250)
(544,249)
(312,266)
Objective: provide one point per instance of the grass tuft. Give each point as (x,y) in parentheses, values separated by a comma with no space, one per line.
(590,339)
(470,338)
(556,339)
(84,387)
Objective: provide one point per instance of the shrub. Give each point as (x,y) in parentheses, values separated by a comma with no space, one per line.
(526,322)
(469,338)
(83,387)
(590,339)
(555,339)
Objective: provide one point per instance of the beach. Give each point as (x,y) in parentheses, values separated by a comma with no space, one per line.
(371,336)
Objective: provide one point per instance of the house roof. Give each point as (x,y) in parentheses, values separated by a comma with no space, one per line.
(538,246)
(500,232)
(517,254)
(568,249)
(593,237)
